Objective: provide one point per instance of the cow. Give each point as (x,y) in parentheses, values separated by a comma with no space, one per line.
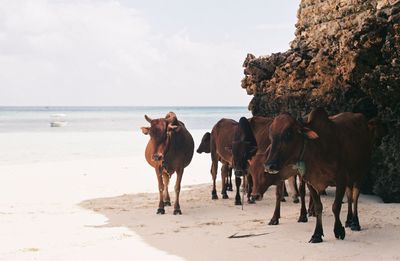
(327,151)
(205,147)
(248,156)
(219,139)
(170,149)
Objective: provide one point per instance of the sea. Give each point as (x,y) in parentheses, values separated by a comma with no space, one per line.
(87,119)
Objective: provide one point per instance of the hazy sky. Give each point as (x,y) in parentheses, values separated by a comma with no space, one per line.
(128,52)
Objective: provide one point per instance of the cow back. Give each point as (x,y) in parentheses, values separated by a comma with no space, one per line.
(222,136)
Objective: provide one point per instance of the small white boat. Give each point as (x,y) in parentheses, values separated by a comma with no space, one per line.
(58,120)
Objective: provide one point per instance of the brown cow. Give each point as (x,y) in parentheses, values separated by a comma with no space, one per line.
(221,136)
(252,136)
(205,146)
(327,152)
(170,149)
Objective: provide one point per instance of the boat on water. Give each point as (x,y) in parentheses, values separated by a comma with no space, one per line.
(58,120)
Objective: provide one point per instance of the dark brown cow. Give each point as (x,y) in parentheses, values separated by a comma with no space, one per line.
(170,149)
(220,138)
(262,181)
(327,152)
(252,136)
(205,146)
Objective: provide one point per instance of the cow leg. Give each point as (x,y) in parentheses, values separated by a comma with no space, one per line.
(166,198)
(349,218)
(285,193)
(238,181)
(355,224)
(250,184)
(214,167)
(177,207)
(293,188)
(225,180)
(303,210)
(318,232)
(311,209)
(160,209)
(338,229)
(230,186)
(277,213)
(224,175)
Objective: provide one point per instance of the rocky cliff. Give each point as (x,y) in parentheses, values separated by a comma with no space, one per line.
(345,57)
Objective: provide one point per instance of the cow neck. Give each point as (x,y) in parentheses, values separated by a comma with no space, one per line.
(164,163)
(300,164)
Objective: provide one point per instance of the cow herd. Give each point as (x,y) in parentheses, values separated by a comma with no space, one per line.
(319,150)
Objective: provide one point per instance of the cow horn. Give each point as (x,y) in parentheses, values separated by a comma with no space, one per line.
(147,118)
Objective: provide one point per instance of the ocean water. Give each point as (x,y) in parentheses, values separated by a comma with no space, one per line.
(86,119)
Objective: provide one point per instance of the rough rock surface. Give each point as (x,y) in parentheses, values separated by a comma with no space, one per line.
(345,57)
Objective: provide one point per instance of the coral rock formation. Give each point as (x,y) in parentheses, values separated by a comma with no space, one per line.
(345,57)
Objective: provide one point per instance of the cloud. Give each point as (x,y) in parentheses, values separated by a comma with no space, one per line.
(104,53)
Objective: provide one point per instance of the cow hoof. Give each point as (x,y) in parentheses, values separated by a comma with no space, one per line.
(283,200)
(347,223)
(303,219)
(167,203)
(238,203)
(161,211)
(251,200)
(355,227)
(296,200)
(214,194)
(177,212)
(273,222)
(339,231)
(229,189)
(225,196)
(315,239)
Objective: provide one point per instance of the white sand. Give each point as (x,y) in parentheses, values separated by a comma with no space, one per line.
(44,177)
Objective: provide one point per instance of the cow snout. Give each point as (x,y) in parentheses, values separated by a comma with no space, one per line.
(157,157)
(271,168)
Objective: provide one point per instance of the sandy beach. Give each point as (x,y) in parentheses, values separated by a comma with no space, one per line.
(86,196)
(204,231)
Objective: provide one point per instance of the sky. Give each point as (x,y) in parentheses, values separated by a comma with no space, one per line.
(135,52)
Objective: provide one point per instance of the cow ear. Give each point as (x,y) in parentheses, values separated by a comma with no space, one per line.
(145,130)
(228,149)
(309,134)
